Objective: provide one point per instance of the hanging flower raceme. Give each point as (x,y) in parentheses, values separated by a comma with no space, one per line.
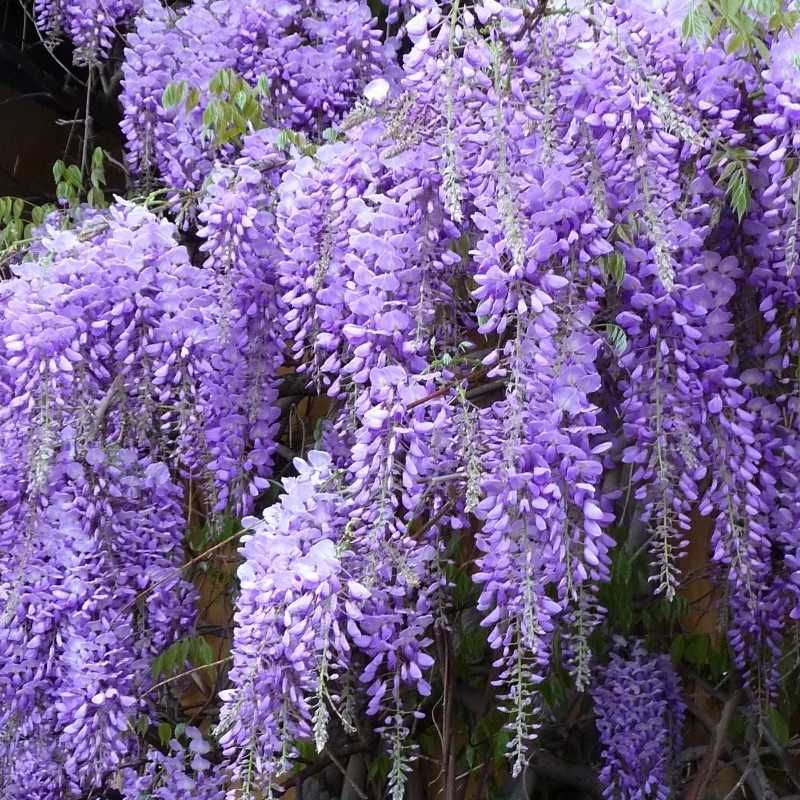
(639,713)
(674,360)
(89,25)
(94,516)
(319,199)
(238,388)
(182,773)
(543,517)
(310,60)
(294,615)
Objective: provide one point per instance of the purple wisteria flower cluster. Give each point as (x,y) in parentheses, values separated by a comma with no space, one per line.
(639,712)
(542,269)
(182,773)
(90,25)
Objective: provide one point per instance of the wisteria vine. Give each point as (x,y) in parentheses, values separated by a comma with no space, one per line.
(540,264)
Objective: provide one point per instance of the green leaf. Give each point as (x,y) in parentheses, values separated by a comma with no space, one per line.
(174,658)
(73,176)
(698,647)
(95,198)
(617,337)
(378,769)
(500,743)
(762,48)
(677,648)
(470,752)
(240,99)
(213,114)
(736,42)
(613,266)
(262,85)
(173,94)
(306,749)
(202,653)
(192,99)
(697,24)
(284,140)
(142,724)
(164,733)
(719,661)
(779,726)
(58,171)
(739,192)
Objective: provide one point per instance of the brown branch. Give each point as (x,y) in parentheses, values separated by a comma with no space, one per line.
(353,785)
(473,376)
(697,788)
(447,507)
(105,404)
(186,673)
(324,761)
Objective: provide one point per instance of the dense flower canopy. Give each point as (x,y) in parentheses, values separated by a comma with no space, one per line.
(540,262)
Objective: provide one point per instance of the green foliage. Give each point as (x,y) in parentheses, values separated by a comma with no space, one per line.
(173,94)
(13,226)
(164,733)
(95,197)
(18,219)
(618,594)
(378,769)
(554,691)
(663,612)
(747,23)
(616,337)
(779,726)
(288,139)
(697,24)
(216,530)
(234,109)
(307,751)
(194,650)
(331,135)
(613,266)
(69,183)
(734,177)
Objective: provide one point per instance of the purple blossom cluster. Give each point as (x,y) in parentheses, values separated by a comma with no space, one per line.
(291,642)
(90,25)
(639,714)
(503,246)
(103,326)
(317,57)
(182,773)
